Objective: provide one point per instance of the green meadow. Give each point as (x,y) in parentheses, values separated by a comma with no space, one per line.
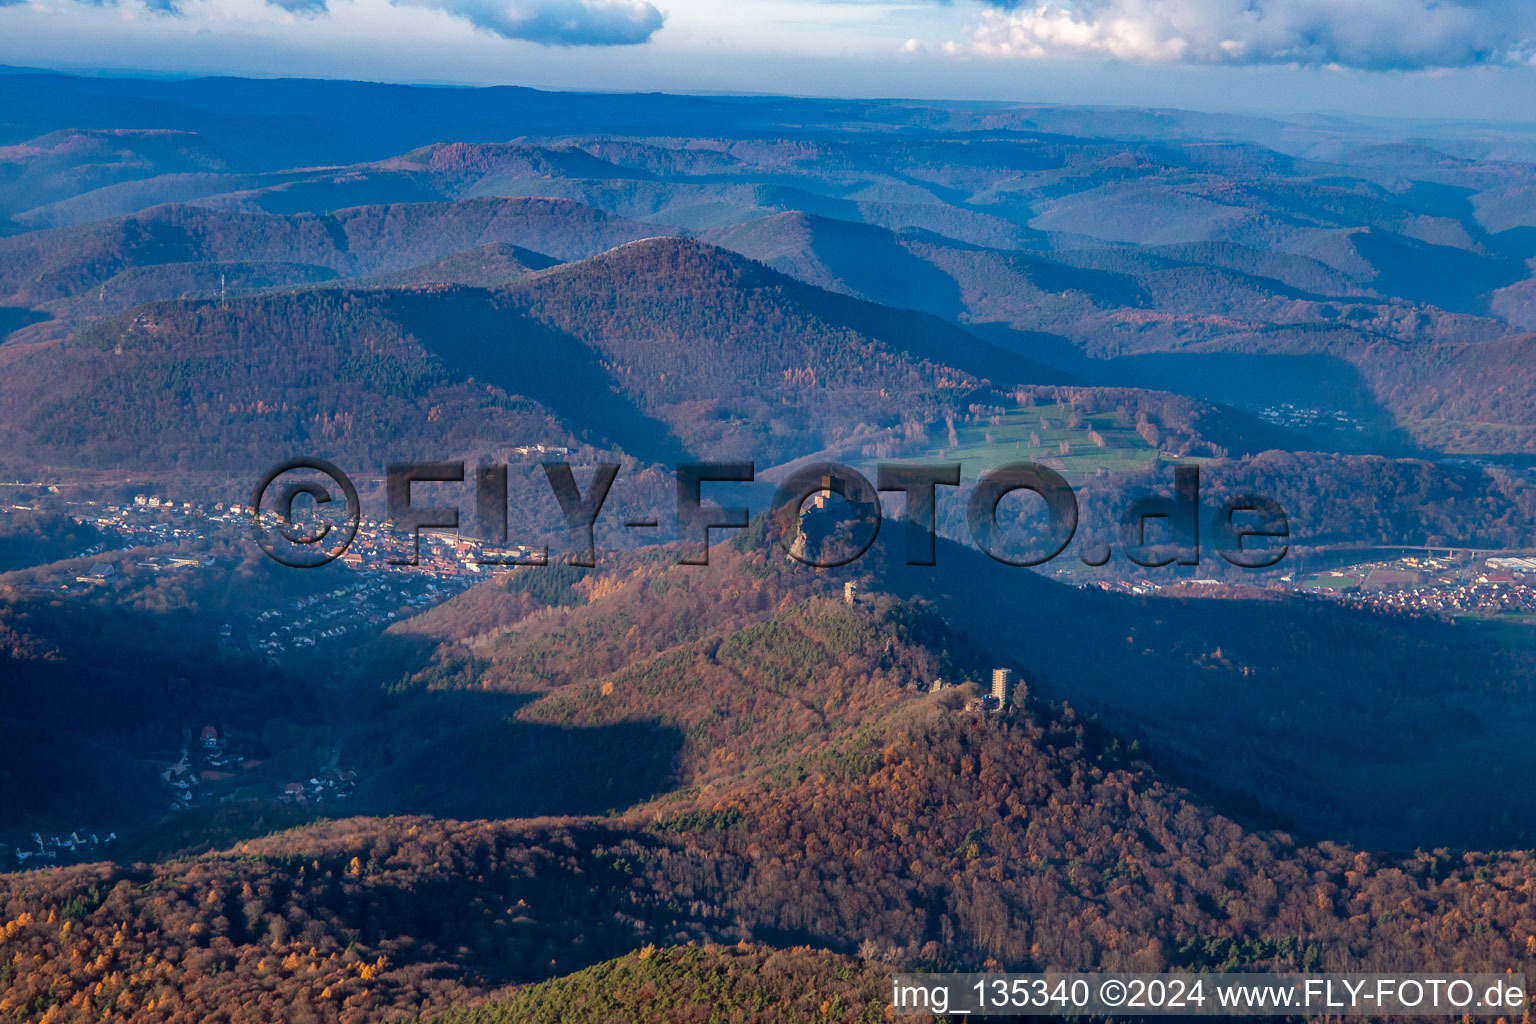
(1324,581)
(983,446)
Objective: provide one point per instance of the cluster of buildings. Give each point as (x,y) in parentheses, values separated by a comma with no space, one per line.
(1286,414)
(154,520)
(212,768)
(150,519)
(438,554)
(1492,597)
(209,766)
(371,600)
(1428,584)
(80,844)
(1121,586)
(328,784)
(554,451)
(448,565)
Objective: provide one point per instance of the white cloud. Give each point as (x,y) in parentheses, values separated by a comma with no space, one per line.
(556,22)
(1375,34)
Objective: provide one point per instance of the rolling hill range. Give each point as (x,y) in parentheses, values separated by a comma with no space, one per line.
(1324,266)
(63,164)
(76,275)
(643,347)
(1118,317)
(1111,315)
(484,266)
(640,349)
(684,324)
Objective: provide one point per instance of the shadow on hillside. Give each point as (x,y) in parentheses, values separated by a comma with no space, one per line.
(1439,275)
(458,754)
(1052,350)
(474,333)
(81,729)
(1515,243)
(14,318)
(1343,724)
(874,264)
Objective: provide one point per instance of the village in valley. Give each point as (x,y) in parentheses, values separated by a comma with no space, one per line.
(213,767)
(47,849)
(1454,583)
(378,591)
(1440,581)
(382,589)
(1287,414)
(216,767)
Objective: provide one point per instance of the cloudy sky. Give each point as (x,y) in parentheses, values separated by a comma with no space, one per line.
(1392,57)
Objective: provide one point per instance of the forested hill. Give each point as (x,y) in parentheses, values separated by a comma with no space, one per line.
(657,332)
(45,265)
(685,324)
(1030,837)
(1198,679)
(80,274)
(756,985)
